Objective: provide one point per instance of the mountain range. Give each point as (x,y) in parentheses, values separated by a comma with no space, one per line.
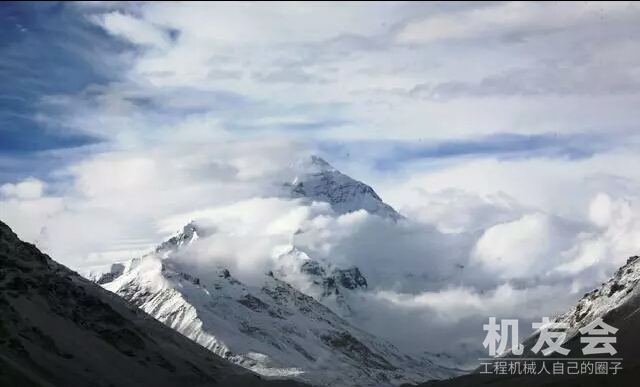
(276,326)
(175,315)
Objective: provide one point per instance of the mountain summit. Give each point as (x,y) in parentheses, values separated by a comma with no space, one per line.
(317,180)
(312,164)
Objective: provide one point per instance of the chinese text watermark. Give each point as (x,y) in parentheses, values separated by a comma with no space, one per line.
(597,336)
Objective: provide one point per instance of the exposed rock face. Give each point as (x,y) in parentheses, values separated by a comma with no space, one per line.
(333,279)
(351,278)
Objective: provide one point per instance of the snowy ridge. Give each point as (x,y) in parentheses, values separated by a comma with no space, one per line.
(274,330)
(616,299)
(608,301)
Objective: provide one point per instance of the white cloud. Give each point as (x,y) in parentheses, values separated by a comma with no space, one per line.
(557,186)
(269,22)
(30,188)
(525,247)
(600,210)
(514,17)
(343,59)
(135,30)
(28,217)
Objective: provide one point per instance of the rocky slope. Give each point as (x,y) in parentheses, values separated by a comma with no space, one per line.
(58,329)
(615,299)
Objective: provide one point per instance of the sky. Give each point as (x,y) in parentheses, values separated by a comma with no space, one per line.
(513,122)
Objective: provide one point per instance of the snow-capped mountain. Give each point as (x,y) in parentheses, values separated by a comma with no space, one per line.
(274,329)
(314,179)
(294,319)
(58,329)
(613,301)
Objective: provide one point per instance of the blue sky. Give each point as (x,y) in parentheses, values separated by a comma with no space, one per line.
(46,51)
(271,84)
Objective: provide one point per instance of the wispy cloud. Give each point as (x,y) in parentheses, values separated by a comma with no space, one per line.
(517,18)
(559,80)
(389,155)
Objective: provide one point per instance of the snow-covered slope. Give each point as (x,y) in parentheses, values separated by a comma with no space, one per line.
(273,329)
(614,299)
(58,329)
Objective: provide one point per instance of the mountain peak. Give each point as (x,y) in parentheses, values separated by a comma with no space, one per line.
(190,232)
(317,180)
(190,229)
(312,164)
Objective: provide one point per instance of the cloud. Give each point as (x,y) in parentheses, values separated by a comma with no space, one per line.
(618,222)
(142,189)
(272,22)
(29,188)
(557,186)
(524,247)
(309,68)
(600,210)
(554,80)
(135,30)
(26,207)
(515,18)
